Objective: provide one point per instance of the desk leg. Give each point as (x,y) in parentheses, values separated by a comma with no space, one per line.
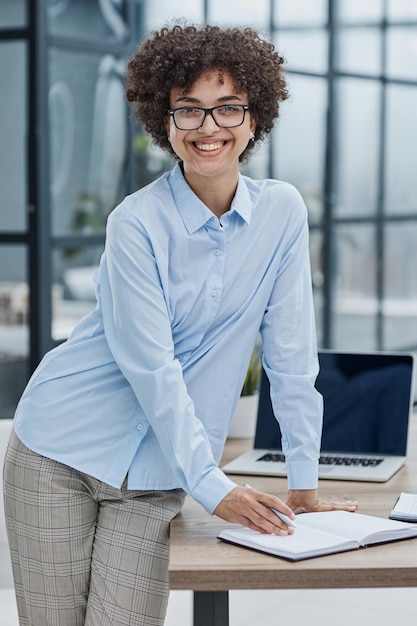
(211,608)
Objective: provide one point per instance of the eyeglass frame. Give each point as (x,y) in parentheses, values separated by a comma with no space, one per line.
(244,107)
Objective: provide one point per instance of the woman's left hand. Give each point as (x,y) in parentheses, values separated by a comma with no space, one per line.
(307,501)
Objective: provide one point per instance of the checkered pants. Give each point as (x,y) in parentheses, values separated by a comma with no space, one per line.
(85,553)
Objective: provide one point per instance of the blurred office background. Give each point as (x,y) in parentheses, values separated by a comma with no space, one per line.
(69,152)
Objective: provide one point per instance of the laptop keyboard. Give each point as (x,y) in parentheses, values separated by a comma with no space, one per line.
(278,457)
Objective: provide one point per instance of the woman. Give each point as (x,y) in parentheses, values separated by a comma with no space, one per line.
(132,412)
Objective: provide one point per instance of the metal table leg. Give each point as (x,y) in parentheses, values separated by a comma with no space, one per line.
(211,608)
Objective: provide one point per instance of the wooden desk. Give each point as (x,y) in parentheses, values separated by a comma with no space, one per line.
(211,568)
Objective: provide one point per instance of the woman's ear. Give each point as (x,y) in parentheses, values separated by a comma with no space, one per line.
(253,122)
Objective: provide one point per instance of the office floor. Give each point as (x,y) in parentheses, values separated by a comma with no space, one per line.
(318,608)
(269,608)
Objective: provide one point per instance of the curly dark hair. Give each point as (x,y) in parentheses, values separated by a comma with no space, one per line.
(176,57)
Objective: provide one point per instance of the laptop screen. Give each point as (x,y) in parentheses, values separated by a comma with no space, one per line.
(367,403)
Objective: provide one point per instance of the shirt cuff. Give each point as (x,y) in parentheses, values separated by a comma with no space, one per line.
(302,474)
(212,488)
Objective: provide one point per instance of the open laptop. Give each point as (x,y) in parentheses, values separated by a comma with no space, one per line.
(368,401)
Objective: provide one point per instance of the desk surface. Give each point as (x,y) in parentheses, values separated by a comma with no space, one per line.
(200,562)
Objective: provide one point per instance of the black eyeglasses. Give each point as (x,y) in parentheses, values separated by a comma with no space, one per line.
(225,116)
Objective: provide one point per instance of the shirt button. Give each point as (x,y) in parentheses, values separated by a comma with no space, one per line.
(214,293)
(139,426)
(217,252)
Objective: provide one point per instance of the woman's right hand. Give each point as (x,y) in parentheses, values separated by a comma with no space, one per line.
(253,509)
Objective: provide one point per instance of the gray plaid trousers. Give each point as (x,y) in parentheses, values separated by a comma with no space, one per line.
(85,553)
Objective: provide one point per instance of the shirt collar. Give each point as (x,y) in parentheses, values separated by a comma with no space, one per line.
(194,212)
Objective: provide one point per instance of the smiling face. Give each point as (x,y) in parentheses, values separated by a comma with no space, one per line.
(210,151)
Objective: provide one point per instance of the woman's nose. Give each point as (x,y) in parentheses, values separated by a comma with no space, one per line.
(209,124)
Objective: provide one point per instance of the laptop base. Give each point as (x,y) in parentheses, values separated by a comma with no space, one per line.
(249,464)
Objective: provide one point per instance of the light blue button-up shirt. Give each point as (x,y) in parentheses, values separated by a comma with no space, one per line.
(148,382)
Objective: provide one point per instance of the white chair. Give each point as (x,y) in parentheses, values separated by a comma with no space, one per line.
(7,598)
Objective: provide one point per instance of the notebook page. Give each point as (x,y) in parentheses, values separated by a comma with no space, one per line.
(304,541)
(407,503)
(353,525)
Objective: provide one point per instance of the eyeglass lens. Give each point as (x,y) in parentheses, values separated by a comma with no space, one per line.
(191,118)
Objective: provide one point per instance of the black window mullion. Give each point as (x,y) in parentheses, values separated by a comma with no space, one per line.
(329,187)
(380,215)
(39,271)
(13,34)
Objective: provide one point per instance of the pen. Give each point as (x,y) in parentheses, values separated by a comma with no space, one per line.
(281,516)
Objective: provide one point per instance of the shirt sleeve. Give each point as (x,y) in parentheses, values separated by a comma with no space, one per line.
(290,356)
(138,330)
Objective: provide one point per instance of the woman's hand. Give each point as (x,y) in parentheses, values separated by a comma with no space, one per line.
(252,508)
(306,501)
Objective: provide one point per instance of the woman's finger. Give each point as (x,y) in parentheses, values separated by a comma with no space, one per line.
(347,505)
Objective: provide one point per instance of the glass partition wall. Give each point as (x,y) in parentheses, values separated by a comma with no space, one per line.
(66,160)
(14,277)
(346,138)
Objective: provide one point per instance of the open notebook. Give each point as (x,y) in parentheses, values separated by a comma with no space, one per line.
(323,533)
(368,400)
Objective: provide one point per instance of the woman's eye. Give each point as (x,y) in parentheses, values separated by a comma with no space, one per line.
(228,109)
(189,111)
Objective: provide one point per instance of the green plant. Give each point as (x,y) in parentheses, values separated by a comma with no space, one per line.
(253,375)
(88,218)
(88,214)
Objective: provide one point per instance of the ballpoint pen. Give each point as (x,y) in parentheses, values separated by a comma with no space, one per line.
(281,516)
